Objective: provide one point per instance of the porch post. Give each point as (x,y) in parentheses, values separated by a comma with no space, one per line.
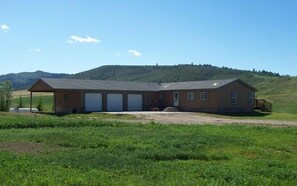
(55,109)
(30,101)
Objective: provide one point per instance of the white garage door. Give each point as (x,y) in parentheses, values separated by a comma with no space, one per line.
(93,102)
(134,102)
(114,102)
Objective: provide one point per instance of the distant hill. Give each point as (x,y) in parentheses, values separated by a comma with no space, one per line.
(24,80)
(167,73)
(280,90)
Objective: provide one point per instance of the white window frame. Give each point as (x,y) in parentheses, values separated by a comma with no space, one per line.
(251,98)
(191,96)
(234,98)
(176,99)
(204,96)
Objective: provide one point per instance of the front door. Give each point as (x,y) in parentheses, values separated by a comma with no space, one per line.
(176,99)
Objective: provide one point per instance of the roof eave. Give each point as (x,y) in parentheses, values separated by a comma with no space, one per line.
(38,81)
(246,84)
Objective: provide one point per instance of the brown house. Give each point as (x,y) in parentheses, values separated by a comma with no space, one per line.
(72,96)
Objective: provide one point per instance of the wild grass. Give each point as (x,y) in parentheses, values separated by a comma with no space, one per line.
(280,91)
(84,150)
(28,120)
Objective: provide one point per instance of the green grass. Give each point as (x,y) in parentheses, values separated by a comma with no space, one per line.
(89,150)
(256,115)
(280,91)
(47,102)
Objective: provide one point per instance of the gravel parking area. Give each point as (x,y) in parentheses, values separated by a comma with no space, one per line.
(196,118)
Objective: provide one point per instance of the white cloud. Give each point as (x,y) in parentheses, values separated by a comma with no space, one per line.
(134,52)
(4,27)
(38,50)
(70,41)
(86,39)
(117,54)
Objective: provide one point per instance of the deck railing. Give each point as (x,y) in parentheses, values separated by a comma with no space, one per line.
(263,105)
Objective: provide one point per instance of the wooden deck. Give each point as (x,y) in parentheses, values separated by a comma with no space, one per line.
(263,105)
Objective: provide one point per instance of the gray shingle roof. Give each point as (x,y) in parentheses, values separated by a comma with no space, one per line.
(209,84)
(76,84)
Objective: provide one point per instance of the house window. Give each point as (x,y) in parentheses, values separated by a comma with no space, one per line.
(66,96)
(203,96)
(191,96)
(234,98)
(251,98)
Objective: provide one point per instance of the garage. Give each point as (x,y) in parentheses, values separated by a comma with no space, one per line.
(114,102)
(134,102)
(93,102)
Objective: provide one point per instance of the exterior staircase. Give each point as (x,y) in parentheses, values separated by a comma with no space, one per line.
(263,105)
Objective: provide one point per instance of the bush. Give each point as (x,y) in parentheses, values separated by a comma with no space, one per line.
(39,105)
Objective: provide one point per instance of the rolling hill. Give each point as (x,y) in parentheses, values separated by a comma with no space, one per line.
(24,80)
(169,73)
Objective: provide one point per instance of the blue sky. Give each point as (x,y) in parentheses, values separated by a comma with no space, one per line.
(72,35)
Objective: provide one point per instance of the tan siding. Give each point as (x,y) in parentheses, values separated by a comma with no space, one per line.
(219,100)
(74,104)
(76,100)
(168,98)
(196,104)
(154,96)
(225,103)
(40,86)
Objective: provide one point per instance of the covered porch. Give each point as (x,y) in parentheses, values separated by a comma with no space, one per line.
(44,92)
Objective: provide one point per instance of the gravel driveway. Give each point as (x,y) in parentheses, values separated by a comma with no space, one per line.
(196,118)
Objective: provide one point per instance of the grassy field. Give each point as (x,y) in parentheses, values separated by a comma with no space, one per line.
(280,91)
(256,115)
(90,150)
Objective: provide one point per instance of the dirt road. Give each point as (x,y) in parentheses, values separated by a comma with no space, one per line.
(195,118)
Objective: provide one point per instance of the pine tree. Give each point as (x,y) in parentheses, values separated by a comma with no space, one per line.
(2,101)
(20,102)
(39,105)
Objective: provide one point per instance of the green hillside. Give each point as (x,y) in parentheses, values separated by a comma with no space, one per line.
(24,80)
(281,91)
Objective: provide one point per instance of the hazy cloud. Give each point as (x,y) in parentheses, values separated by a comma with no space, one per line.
(86,39)
(117,54)
(38,50)
(4,27)
(134,52)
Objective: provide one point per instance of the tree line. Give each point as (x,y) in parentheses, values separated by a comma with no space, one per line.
(5,95)
(6,98)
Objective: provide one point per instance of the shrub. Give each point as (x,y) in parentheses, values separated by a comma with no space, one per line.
(39,105)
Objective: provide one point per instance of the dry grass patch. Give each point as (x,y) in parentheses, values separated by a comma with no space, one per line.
(28,148)
(26,93)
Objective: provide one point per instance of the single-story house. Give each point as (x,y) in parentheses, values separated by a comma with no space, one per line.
(78,96)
